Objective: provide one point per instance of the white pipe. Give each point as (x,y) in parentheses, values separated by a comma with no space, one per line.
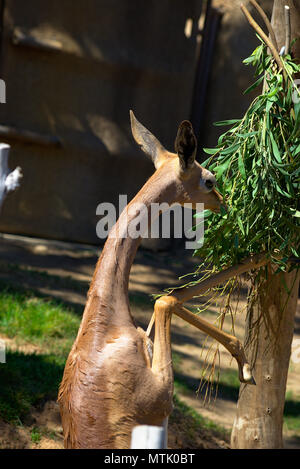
(9,181)
(148,437)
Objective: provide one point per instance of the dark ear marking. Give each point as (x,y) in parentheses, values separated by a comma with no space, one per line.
(186,145)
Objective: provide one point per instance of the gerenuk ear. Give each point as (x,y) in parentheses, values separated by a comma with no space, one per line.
(186,145)
(148,143)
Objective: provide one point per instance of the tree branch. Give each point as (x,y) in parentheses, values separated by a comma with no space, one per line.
(231,343)
(170,305)
(263,36)
(266,21)
(187,293)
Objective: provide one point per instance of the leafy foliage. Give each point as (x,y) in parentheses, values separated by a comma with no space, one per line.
(256,164)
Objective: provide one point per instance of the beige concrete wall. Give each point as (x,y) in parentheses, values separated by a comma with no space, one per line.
(115,55)
(73,70)
(236,41)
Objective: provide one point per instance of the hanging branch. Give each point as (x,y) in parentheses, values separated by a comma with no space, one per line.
(188,292)
(263,36)
(232,344)
(266,21)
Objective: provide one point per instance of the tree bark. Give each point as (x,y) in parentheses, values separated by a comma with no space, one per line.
(269,333)
(269,325)
(278,23)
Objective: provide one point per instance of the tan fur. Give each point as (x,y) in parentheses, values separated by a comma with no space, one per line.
(110,382)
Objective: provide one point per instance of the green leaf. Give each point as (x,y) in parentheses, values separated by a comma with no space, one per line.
(211,151)
(246,135)
(231,149)
(205,214)
(236,241)
(297,110)
(272,93)
(255,85)
(258,236)
(240,225)
(275,148)
(241,166)
(282,192)
(256,162)
(223,211)
(295,149)
(295,173)
(227,122)
(269,106)
(249,60)
(222,168)
(280,168)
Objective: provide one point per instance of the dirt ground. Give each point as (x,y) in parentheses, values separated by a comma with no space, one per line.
(151,273)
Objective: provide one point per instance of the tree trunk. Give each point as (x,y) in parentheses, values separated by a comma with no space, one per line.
(269,333)
(278,23)
(269,326)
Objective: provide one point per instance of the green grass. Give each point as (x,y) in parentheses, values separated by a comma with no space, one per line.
(292,413)
(198,420)
(46,323)
(35,435)
(30,379)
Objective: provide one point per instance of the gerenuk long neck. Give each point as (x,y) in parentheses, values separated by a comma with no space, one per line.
(111,277)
